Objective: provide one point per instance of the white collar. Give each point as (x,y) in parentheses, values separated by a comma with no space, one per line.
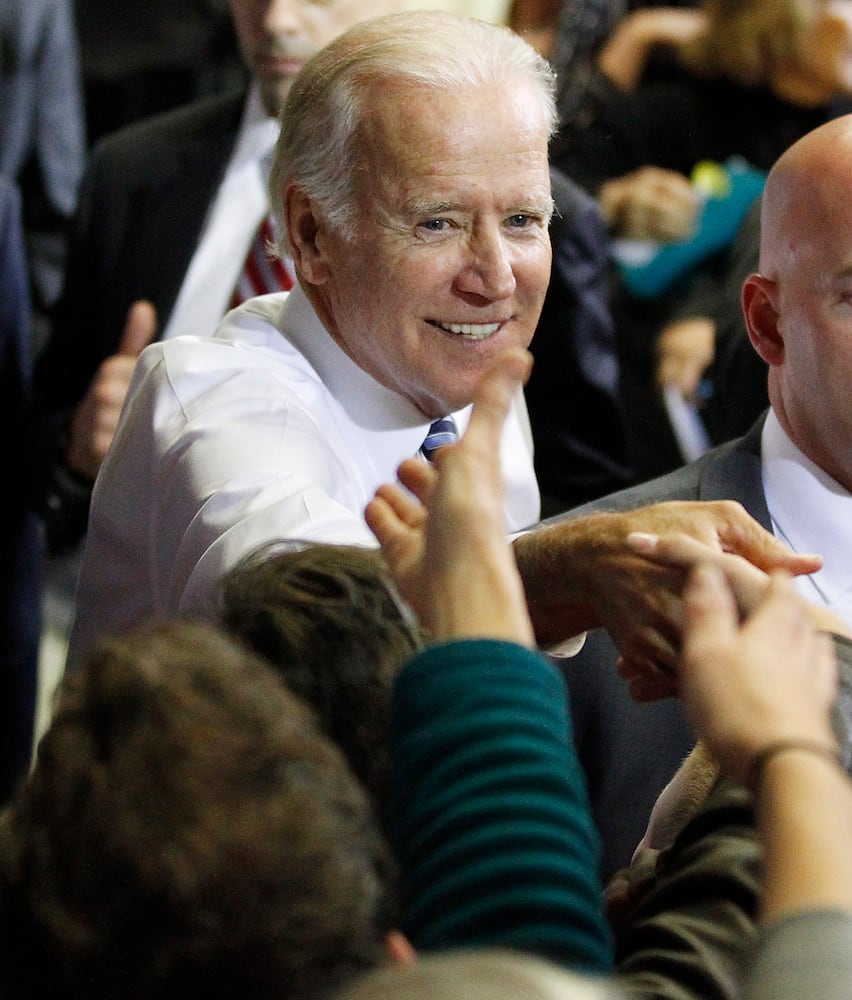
(258,133)
(811,512)
(368,403)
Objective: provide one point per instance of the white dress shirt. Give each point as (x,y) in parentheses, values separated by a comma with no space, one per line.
(811,512)
(267,430)
(239,207)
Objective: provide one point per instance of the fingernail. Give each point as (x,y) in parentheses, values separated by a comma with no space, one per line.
(642,542)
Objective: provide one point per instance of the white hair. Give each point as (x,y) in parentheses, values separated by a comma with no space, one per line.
(329,98)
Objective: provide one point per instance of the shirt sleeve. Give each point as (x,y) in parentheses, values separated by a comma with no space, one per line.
(490,813)
(690,930)
(806,955)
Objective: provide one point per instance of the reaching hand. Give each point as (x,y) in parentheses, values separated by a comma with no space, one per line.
(580,573)
(96,418)
(748,686)
(449,553)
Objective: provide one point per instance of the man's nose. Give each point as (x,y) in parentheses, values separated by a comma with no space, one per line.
(488,270)
(282,16)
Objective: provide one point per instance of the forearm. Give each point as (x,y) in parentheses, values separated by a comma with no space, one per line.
(624,57)
(491,819)
(551,561)
(805,820)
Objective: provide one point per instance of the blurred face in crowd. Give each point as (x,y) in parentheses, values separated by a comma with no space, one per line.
(277,36)
(450,256)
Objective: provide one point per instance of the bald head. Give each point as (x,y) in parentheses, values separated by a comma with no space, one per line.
(803,190)
(798,310)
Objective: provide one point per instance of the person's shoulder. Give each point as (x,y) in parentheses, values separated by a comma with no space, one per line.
(149,138)
(682,483)
(246,350)
(257,324)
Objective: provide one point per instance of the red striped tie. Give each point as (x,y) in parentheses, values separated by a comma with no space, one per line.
(263,271)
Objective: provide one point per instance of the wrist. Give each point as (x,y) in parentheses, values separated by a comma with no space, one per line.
(821,750)
(551,563)
(486,604)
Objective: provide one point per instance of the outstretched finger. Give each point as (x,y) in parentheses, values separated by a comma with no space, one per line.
(140,328)
(748,538)
(419,477)
(493,400)
(405,508)
(672,549)
(396,537)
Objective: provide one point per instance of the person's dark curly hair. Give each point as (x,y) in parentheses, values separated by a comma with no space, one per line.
(328,618)
(187,831)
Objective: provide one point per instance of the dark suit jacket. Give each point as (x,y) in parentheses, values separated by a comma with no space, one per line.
(20,543)
(143,202)
(573,393)
(630,751)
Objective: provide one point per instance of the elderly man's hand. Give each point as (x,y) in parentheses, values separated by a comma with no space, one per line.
(581,573)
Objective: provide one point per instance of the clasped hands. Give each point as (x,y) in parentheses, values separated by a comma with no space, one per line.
(441,530)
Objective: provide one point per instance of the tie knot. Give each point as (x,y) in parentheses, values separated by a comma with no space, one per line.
(442,431)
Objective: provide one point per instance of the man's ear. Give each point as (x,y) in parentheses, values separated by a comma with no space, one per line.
(305,230)
(399,948)
(760,309)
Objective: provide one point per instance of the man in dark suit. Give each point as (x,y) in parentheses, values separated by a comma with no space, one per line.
(168,210)
(792,471)
(631,750)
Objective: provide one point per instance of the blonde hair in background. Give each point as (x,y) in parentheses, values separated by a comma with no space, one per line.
(747,41)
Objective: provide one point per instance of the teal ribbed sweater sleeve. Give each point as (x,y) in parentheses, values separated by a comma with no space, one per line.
(491,819)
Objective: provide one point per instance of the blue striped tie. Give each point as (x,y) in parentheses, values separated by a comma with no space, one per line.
(442,432)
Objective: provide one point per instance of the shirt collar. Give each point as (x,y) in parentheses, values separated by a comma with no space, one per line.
(810,511)
(368,403)
(258,133)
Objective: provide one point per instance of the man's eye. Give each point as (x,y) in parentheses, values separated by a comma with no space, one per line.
(520,220)
(434,225)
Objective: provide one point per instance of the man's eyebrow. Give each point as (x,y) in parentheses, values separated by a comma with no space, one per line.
(421,208)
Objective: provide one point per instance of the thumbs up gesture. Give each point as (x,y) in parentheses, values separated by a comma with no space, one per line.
(96,418)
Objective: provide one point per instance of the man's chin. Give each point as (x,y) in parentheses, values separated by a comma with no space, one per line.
(273,94)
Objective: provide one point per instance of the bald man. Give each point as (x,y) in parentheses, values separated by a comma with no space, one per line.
(792,471)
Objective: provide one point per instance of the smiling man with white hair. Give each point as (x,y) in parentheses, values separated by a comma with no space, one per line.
(412,178)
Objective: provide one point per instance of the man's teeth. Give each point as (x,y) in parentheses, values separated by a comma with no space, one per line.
(476,331)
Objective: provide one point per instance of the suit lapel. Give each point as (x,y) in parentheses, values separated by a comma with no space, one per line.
(734,473)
